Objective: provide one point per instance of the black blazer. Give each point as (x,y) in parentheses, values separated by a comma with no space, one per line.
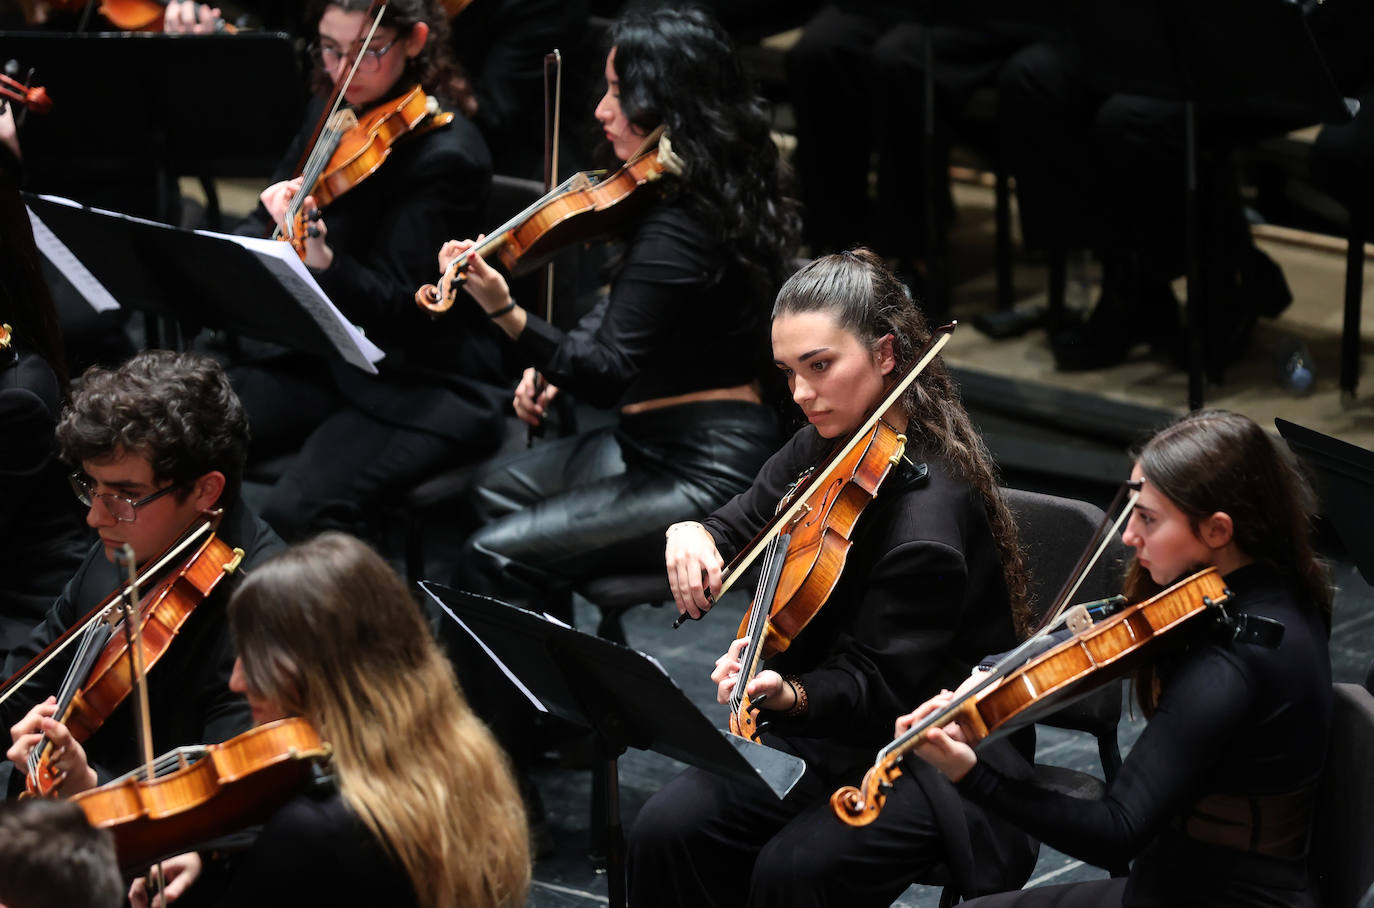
(439,374)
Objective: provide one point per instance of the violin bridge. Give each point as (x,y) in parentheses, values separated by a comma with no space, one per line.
(1077,619)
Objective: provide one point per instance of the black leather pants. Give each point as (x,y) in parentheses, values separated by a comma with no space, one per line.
(598,503)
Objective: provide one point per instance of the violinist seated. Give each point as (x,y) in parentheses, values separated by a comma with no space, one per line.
(158,443)
(420,808)
(1214,803)
(51,857)
(678,346)
(441,389)
(931,581)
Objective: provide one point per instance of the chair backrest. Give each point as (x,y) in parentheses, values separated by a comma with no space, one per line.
(1342,851)
(1053,532)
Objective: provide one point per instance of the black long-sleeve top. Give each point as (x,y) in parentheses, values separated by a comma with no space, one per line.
(681,316)
(315,851)
(922,596)
(188,688)
(1233,719)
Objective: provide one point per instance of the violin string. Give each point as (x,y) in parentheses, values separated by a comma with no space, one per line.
(757,620)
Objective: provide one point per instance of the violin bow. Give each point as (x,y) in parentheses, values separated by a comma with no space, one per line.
(138,673)
(735,569)
(552,60)
(1101,538)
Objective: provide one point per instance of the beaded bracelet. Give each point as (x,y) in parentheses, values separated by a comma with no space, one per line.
(509,307)
(799,691)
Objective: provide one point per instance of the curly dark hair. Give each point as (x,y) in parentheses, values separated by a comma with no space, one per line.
(678,68)
(178,409)
(868,301)
(434,68)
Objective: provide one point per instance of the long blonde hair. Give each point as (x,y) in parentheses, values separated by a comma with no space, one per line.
(328,631)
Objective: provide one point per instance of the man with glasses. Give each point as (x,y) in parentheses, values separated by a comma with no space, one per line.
(157,443)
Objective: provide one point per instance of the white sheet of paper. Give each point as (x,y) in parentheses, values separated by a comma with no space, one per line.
(65,261)
(279,257)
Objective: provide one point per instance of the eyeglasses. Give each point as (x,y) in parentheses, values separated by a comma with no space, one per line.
(329,55)
(120,508)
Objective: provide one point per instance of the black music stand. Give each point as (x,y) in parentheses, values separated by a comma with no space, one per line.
(1249,68)
(1344,475)
(253,287)
(624,696)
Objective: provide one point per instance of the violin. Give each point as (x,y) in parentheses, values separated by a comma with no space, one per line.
(203,792)
(586,205)
(100,677)
(1018,692)
(350,150)
(805,548)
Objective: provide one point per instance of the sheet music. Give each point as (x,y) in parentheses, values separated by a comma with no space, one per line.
(65,261)
(281,260)
(277,257)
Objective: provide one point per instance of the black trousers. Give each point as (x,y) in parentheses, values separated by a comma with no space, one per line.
(705,841)
(349,460)
(598,503)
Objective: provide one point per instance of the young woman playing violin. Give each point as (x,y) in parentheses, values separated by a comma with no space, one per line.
(932,577)
(421,808)
(677,346)
(436,399)
(1214,802)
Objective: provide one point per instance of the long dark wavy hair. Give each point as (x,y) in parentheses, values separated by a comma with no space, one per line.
(864,298)
(678,68)
(434,67)
(1216,460)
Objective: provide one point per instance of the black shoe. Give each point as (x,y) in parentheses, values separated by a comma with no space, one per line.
(1116,325)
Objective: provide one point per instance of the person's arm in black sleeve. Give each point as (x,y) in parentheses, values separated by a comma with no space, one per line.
(739,519)
(258,222)
(1199,713)
(45,682)
(666,269)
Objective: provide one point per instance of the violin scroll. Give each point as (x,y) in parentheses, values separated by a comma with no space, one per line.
(861,806)
(31,97)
